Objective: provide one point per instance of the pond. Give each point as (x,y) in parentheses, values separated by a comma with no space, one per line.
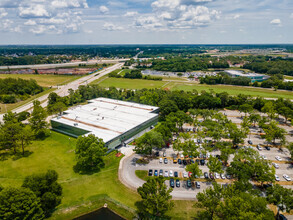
(100,214)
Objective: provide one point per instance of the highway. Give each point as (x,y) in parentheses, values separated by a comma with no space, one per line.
(63,90)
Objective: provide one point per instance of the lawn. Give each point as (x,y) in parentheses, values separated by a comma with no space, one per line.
(233,90)
(81,193)
(131,83)
(43,80)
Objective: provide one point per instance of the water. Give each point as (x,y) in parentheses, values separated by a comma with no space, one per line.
(100,214)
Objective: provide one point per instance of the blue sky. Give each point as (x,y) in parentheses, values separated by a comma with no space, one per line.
(146,21)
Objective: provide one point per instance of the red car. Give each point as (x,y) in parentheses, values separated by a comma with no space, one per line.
(189,174)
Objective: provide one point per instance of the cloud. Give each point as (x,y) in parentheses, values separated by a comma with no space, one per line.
(291,16)
(3,13)
(69,4)
(131,13)
(236,16)
(33,11)
(30,23)
(112,27)
(103,9)
(148,22)
(276,21)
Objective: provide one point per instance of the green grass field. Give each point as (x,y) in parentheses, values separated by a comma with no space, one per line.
(43,80)
(131,83)
(81,193)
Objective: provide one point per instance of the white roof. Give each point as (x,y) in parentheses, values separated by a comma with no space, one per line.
(107,118)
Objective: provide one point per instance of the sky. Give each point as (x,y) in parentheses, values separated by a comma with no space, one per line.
(146,21)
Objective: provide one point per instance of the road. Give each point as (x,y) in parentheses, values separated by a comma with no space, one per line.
(63,90)
(46,66)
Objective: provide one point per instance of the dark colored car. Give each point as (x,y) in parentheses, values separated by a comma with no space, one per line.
(281,217)
(202,162)
(250,142)
(175,174)
(172,183)
(206,175)
(157,154)
(179,161)
(197,185)
(211,176)
(161,173)
(184,162)
(177,183)
(150,172)
(267,147)
(197,161)
(165,160)
(191,161)
(188,183)
(156,173)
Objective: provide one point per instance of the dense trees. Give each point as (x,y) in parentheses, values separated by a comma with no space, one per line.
(155,199)
(20,203)
(46,188)
(12,90)
(149,141)
(89,154)
(38,120)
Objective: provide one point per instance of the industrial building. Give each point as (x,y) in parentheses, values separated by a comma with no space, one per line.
(255,77)
(114,121)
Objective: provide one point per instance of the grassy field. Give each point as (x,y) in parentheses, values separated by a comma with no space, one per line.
(8,107)
(43,80)
(131,83)
(81,193)
(288,77)
(232,90)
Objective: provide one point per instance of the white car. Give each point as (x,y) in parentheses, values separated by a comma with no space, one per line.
(286,177)
(217,176)
(278,158)
(264,157)
(161,160)
(171,173)
(277,178)
(166,173)
(259,147)
(276,165)
(185,174)
(208,155)
(181,155)
(223,176)
(164,154)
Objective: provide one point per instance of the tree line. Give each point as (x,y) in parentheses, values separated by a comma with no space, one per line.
(134,74)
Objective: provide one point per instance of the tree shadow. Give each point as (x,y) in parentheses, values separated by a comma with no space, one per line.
(82,171)
(142,214)
(5,155)
(19,155)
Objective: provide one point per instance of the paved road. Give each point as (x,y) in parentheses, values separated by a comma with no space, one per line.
(63,90)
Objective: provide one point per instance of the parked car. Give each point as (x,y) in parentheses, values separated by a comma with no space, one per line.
(171,174)
(172,182)
(250,142)
(217,176)
(278,158)
(188,183)
(286,177)
(228,176)
(166,173)
(276,165)
(185,174)
(156,173)
(192,161)
(157,153)
(197,185)
(184,162)
(277,178)
(267,147)
(150,172)
(175,159)
(223,176)
(164,154)
(165,160)
(179,161)
(206,175)
(211,176)
(197,161)
(202,162)
(177,183)
(264,157)
(161,173)
(259,147)
(175,174)
(189,174)
(181,155)
(282,217)
(161,160)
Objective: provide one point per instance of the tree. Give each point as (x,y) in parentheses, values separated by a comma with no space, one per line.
(148,141)
(246,108)
(89,153)
(269,109)
(254,118)
(226,149)
(290,148)
(20,203)
(38,120)
(46,188)
(194,169)
(164,130)
(25,137)
(273,132)
(235,134)
(281,197)
(57,107)
(155,198)
(214,165)
(286,112)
